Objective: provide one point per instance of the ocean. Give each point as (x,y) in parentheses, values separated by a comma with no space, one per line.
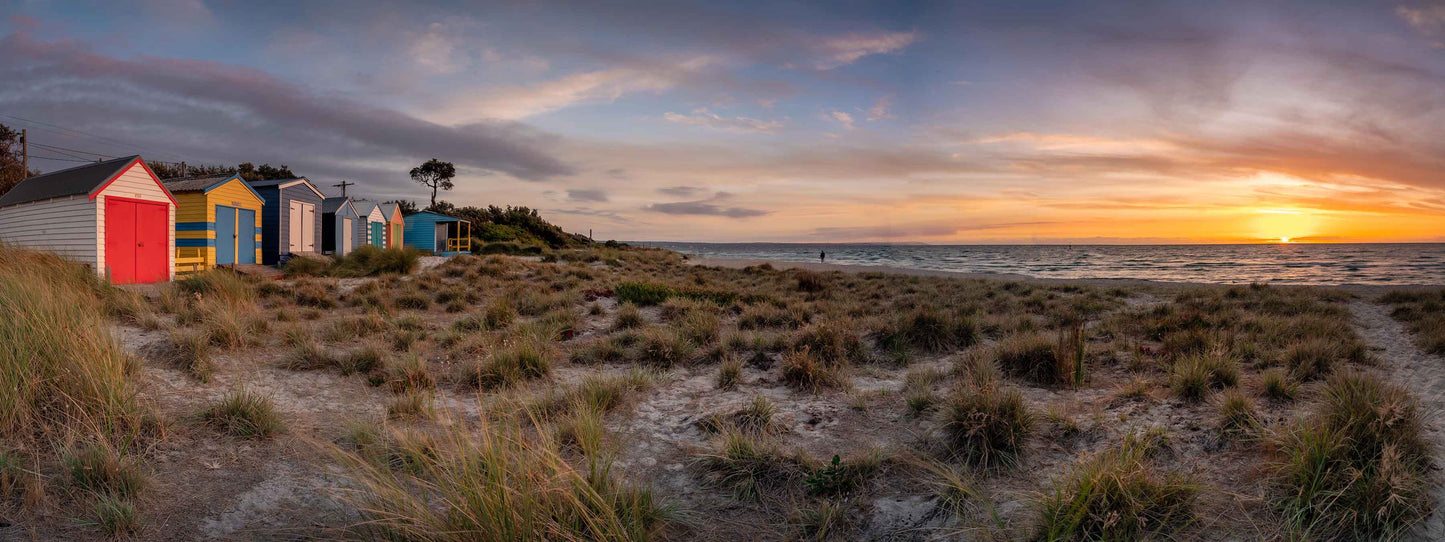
(1318,264)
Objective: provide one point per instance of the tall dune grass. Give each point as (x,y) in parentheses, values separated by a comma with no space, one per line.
(60,370)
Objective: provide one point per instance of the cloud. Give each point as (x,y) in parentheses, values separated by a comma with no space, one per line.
(846,49)
(843,118)
(915,230)
(708,119)
(680,191)
(598,86)
(182,12)
(435,51)
(706,207)
(585,194)
(880,108)
(1427,19)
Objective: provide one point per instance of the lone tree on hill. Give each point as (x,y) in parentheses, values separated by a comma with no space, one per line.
(434,174)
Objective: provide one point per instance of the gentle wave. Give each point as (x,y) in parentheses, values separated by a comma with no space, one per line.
(1332,264)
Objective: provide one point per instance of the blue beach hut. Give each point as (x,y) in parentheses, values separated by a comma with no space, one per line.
(437,233)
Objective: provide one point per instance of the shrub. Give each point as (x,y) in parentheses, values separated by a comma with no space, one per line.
(1116,495)
(507,485)
(804,371)
(368,260)
(245,414)
(749,465)
(663,348)
(1032,356)
(1311,358)
(987,426)
(642,293)
(412,301)
(1236,413)
(840,478)
(101,469)
(808,281)
(1359,466)
(729,374)
(628,317)
(699,327)
(1278,385)
(60,370)
(834,342)
(306,266)
(500,314)
(1190,378)
(927,330)
(514,363)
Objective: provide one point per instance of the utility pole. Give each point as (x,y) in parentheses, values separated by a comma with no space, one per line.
(343,186)
(24,155)
(183,169)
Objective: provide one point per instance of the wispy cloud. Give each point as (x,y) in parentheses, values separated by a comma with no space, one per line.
(881,109)
(706,207)
(705,118)
(586,194)
(835,51)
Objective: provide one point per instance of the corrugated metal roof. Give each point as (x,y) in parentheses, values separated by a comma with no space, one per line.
(197,183)
(363,206)
(66,182)
(388,209)
(330,205)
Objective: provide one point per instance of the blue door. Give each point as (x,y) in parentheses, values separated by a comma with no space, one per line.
(245,236)
(225,235)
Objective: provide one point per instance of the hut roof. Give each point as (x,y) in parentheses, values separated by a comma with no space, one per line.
(67,182)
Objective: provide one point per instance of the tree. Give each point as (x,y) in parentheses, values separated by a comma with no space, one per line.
(434,174)
(247,171)
(12,171)
(407,207)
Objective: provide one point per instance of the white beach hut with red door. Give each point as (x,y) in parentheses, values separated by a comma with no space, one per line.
(113,216)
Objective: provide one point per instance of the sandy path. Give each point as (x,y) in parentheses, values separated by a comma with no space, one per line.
(1424,375)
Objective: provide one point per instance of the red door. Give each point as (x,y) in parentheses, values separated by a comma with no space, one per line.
(137,241)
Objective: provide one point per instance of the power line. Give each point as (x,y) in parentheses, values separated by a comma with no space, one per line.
(66,149)
(67,152)
(37,157)
(87,134)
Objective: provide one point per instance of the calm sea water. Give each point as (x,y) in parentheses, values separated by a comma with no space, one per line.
(1381,264)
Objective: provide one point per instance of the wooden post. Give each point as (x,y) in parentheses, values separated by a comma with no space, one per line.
(24,155)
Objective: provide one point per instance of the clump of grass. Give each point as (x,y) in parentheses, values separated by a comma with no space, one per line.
(1236,413)
(699,327)
(840,477)
(101,469)
(664,348)
(729,374)
(245,414)
(1116,495)
(60,370)
(804,371)
(409,372)
(363,360)
(412,405)
(642,293)
(931,331)
(368,260)
(987,426)
(628,317)
(412,301)
(1278,386)
(309,356)
(1194,376)
(514,363)
(1358,467)
(219,283)
(306,266)
(115,517)
(834,341)
(1034,357)
(191,352)
(597,393)
(748,464)
(808,281)
(1311,358)
(503,485)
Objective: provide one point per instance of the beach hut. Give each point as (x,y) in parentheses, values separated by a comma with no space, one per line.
(395,223)
(218,221)
(339,222)
(290,220)
(437,233)
(113,216)
(374,231)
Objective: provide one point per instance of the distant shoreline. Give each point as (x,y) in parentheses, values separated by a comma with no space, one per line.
(739,263)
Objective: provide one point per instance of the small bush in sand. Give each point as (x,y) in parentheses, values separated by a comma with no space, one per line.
(1358,467)
(369,260)
(500,314)
(412,301)
(101,469)
(804,371)
(191,352)
(729,374)
(409,372)
(1278,386)
(363,360)
(628,317)
(1194,376)
(314,293)
(987,426)
(1033,356)
(929,330)
(833,341)
(1116,495)
(309,356)
(410,405)
(222,284)
(598,393)
(1311,358)
(306,266)
(246,414)
(514,363)
(749,464)
(641,293)
(1236,413)
(840,478)
(808,281)
(505,485)
(115,517)
(699,327)
(663,348)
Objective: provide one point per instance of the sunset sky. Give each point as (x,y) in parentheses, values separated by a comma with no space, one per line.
(967,122)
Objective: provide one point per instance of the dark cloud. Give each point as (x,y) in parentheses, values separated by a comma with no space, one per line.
(680,191)
(586,194)
(209,111)
(913,231)
(704,208)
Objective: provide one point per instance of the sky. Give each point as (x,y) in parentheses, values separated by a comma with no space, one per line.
(782,121)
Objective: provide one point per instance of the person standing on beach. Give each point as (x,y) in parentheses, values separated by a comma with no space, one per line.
(822,256)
